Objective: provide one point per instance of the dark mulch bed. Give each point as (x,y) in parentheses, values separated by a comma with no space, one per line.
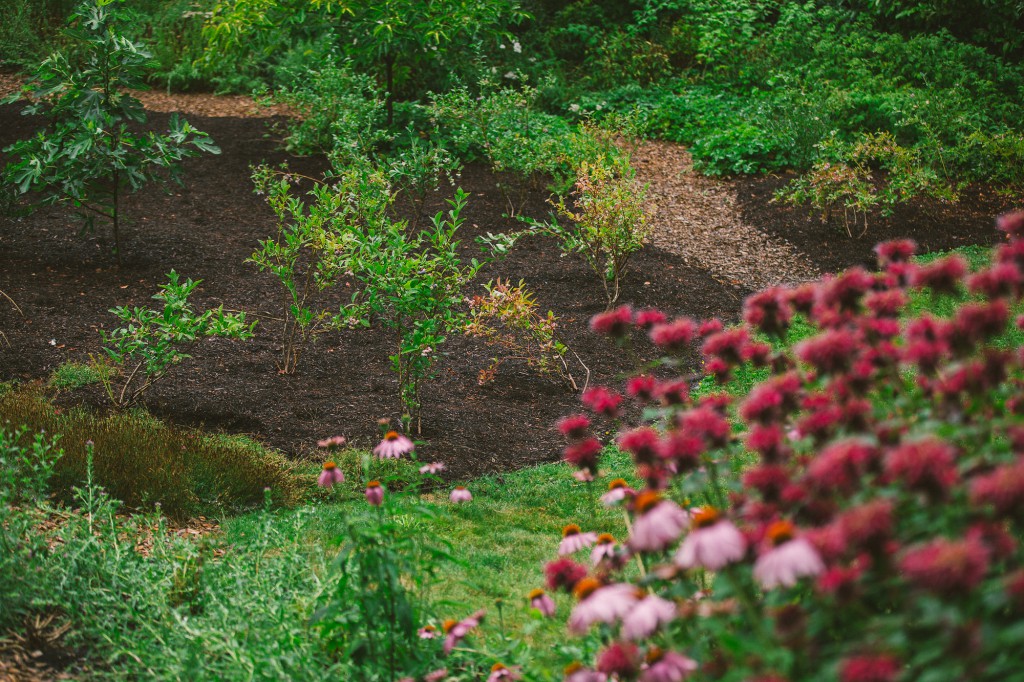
(205,230)
(935,226)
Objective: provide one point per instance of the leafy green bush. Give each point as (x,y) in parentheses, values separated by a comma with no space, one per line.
(151,339)
(89,156)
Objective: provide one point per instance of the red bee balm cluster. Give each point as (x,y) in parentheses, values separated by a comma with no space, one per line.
(856,515)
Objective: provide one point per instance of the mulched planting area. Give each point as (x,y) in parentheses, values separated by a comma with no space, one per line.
(65,284)
(934,225)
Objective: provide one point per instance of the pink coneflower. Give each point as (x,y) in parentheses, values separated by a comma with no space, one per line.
(333,442)
(666,666)
(573,540)
(789,560)
(869,669)
(604,549)
(564,574)
(658,524)
(574,426)
(675,335)
(460,494)
(646,616)
(618,490)
(540,600)
(1003,488)
(436,675)
(575,672)
(393,446)
(926,465)
(600,604)
(583,475)
(330,475)
(456,631)
(427,632)
(374,493)
(620,660)
(432,468)
(712,544)
(602,400)
(947,566)
(500,672)
(614,323)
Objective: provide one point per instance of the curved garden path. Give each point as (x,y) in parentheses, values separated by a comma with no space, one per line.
(698,218)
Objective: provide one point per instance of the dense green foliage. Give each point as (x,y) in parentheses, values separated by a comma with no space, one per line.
(751,85)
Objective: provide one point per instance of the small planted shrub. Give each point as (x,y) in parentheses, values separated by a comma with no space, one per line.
(89,155)
(508,320)
(847,179)
(854,516)
(312,237)
(609,222)
(412,284)
(150,343)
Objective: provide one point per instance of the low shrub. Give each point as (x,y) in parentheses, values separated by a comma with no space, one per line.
(143,462)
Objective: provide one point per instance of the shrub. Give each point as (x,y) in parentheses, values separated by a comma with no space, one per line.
(862,520)
(143,462)
(151,339)
(89,156)
(508,319)
(610,222)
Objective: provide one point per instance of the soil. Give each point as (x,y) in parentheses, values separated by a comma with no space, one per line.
(65,284)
